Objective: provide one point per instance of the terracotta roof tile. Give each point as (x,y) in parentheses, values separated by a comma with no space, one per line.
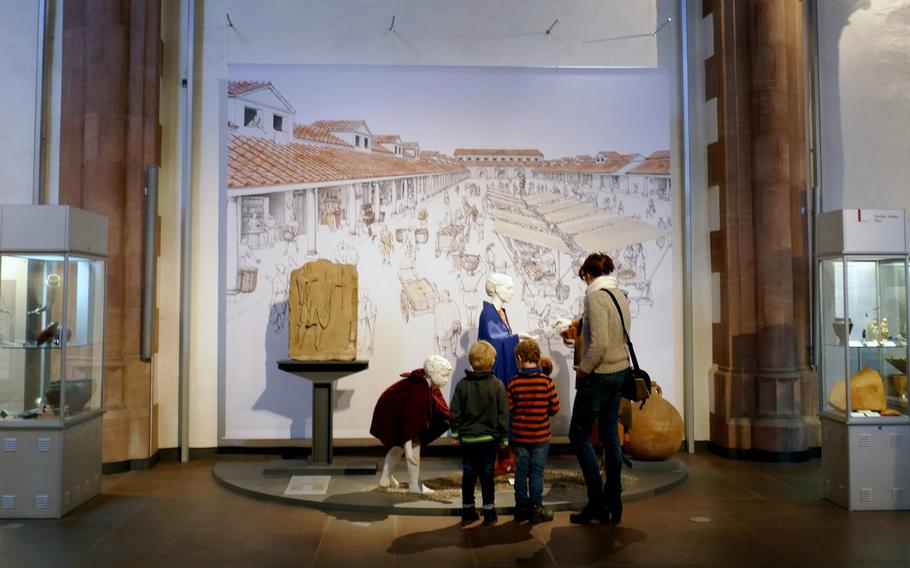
(338,125)
(260,162)
(613,163)
(238,87)
(386,138)
(657,163)
(498,152)
(304,132)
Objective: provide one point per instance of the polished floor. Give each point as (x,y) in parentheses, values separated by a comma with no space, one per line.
(176,515)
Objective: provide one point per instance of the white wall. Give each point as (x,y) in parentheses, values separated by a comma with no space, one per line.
(18,67)
(475,32)
(166,361)
(864,58)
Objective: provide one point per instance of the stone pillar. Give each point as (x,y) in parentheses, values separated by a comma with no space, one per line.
(232,242)
(109,134)
(312,221)
(759,251)
(374,190)
(352,209)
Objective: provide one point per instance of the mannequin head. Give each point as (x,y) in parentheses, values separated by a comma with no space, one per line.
(438,370)
(500,287)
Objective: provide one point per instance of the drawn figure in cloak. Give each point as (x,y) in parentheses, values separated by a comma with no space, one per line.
(385,244)
(447,325)
(410,413)
(279,304)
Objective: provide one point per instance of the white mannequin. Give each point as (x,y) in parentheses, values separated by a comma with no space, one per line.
(438,372)
(500,289)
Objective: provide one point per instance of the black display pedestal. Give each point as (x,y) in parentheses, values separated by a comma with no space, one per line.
(323,374)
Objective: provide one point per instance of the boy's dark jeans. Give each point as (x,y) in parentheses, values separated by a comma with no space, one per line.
(530,460)
(477,462)
(597,396)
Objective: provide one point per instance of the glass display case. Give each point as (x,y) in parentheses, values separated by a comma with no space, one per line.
(862,338)
(51,336)
(52,295)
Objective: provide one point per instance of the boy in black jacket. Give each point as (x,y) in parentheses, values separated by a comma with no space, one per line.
(479,417)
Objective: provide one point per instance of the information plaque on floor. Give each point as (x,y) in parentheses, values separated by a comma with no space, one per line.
(308,485)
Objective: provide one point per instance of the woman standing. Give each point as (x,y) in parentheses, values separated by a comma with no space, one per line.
(598,383)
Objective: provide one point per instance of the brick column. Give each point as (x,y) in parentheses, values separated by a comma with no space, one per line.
(763,391)
(109,134)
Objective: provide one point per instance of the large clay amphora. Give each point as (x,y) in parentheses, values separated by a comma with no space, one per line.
(657,429)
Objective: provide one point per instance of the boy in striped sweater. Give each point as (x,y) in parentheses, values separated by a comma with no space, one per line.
(532,400)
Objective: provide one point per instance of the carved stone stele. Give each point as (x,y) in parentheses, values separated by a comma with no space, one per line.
(322,301)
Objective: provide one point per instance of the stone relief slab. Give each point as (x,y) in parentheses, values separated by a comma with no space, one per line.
(322,301)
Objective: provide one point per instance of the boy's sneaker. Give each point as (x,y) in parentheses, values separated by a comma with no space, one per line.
(469,515)
(489,517)
(523,512)
(540,515)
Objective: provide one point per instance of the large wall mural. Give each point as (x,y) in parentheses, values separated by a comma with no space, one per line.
(430,179)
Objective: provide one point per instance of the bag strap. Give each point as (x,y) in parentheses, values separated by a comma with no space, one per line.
(625,333)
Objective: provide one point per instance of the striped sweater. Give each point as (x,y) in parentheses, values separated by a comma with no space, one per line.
(532,401)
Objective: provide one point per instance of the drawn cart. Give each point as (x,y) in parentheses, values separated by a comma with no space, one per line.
(449,239)
(418,295)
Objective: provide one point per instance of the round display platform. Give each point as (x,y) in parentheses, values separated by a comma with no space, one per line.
(563,486)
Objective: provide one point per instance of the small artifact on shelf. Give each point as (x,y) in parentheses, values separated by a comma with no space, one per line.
(883,329)
(322,302)
(47,334)
(891,412)
(840,331)
(899,363)
(897,386)
(867,392)
(78,393)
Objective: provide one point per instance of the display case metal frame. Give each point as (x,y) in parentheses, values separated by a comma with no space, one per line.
(865,458)
(51,462)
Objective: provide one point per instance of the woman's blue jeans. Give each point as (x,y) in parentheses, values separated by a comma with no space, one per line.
(597,397)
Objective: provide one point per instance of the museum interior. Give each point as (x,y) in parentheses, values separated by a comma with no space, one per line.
(280,281)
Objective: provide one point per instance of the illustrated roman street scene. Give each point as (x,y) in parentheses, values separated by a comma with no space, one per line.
(425,221)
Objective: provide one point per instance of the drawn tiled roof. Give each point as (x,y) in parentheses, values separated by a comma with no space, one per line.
(304,132)
(380,149)
(613,163)
(502,163)
(239,87)
(338,125)
(429,154)
(261,162)
(410,145)
(657,163)
(584,159)
(531,153)
(385,138)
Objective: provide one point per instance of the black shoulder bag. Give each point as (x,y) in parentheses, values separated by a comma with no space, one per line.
(636,387)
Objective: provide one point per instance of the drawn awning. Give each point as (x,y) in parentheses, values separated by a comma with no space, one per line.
(531,236)
(517,219)
(617,235)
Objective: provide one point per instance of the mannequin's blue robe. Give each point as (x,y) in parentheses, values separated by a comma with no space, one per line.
(491,328)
